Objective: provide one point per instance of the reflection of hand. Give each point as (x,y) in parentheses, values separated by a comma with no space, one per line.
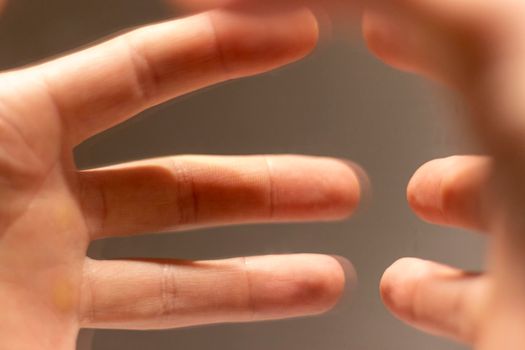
(49,211)
(478,48)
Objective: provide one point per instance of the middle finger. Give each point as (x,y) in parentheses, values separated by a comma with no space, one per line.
(185,192)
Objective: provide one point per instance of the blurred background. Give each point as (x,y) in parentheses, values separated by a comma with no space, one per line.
(338,102)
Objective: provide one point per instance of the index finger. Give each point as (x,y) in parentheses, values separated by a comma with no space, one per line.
(106,84)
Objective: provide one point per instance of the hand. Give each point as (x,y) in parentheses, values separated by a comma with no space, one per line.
(477,48)
(50,211)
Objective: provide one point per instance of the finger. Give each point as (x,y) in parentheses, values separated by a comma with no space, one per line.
(170,294)
(194,191)
(449,41)
(452,191)
(102,86)
(435,298)
(476,47)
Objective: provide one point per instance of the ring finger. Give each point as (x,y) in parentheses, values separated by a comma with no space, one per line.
(169,294)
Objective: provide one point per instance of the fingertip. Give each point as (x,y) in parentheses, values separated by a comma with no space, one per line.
(434,298)
(306,284)
(255,41)
(315,188)
(350,282)
(321,287)
(331,276)
(309,24)
(352,184)
(404,282)
(451,191)
(386,38)
(397,283)
(409,36)
(423,191)
(362,198)
(349,272)
(349,185)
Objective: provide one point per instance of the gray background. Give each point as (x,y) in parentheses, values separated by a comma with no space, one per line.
(338,102)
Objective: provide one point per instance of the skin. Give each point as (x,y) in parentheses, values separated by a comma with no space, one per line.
(50,211)
(477,49)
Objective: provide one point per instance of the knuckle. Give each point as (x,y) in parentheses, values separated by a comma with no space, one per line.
(146,80)
(93,199)
(168,290)
(186,196)
(249,299)
(270,180)
(223,53)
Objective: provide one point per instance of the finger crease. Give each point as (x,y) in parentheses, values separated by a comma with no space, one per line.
(56,107)
(186,196)
(221,56)
(250,300)
(168,290)
(271,187)
(146,79)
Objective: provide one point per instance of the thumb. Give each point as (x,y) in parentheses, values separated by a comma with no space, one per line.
(446,40)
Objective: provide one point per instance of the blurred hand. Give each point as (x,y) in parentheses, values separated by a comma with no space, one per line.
(50,211)
(477,47)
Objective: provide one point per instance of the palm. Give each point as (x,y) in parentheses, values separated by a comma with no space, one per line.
(50,211)
(44,235)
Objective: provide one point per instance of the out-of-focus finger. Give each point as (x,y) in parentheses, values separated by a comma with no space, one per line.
(170,294)
(450,41)
(436,298)
(452,191)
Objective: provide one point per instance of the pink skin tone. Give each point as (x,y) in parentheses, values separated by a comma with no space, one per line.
(476,48)
(50,211)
